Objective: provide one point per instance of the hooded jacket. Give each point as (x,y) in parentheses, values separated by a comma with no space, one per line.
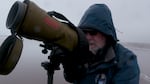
(98,17)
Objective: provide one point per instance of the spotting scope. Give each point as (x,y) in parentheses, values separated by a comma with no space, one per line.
(27,20)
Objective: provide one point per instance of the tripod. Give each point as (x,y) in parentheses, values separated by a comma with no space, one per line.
(52,64)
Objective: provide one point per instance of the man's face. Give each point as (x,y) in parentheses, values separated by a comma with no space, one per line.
(96,40)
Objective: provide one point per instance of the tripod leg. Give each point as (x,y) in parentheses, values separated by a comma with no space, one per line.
(50,71)
(50,77)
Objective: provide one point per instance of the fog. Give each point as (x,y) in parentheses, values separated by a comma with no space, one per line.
(131,17)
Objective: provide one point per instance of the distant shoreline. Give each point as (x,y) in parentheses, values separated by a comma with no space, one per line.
(137,45)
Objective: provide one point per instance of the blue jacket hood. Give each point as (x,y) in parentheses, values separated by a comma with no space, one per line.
(98,17)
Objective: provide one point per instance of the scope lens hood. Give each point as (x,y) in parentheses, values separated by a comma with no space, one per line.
(10,52)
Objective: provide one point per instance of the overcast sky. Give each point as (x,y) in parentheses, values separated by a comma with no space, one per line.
(131,17)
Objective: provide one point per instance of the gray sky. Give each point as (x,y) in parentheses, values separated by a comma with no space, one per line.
(131,17)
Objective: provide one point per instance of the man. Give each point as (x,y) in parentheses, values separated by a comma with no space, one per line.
(104,61)
(112,63)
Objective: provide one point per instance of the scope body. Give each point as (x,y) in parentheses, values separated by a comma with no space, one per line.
(28,20)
